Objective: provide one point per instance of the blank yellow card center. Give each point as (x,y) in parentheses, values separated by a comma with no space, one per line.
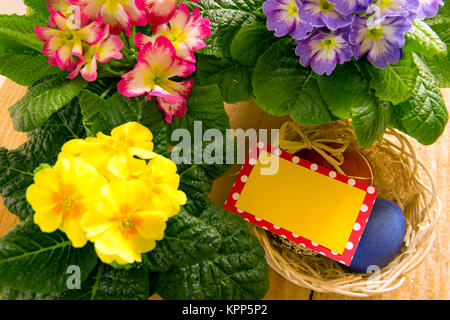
(307,203)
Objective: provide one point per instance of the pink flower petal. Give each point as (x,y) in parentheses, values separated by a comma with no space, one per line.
(182,68)
(64,58)
(176,109)
(89,72)
(44,33)
(141,40)
(161,53)
(158,12)
(133,83)
(110,49)
(51,46)
(182,17)
(93,32)
(138,17)
(76,71)
(118,20)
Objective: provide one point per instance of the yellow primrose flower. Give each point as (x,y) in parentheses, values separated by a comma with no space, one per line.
(61,195)
(162,180)
(114,156)
(128,224)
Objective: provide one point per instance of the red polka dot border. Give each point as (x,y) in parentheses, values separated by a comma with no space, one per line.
(360,223)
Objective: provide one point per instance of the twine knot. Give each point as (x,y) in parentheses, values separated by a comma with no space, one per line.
(292,144)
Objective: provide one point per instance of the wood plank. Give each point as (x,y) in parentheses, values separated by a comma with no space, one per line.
(10,93)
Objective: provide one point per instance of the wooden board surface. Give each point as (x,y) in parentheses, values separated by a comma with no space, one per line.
(429,281)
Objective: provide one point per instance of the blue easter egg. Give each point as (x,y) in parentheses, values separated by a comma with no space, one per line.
(382,237)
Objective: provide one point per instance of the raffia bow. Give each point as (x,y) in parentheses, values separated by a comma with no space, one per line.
(333,156)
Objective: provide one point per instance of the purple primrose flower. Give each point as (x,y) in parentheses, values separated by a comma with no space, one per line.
(283,18)
(321,13)
(323,51)
(382,9)
(382,41)
(351,6)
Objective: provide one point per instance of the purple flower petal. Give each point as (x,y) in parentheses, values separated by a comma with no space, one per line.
(323,51)
(322,13)
(283,18)
(428,8)
(382,42)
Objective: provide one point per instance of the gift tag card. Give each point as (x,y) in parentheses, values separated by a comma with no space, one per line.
(302,201)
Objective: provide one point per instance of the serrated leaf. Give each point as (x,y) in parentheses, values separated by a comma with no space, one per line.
(310,107)
(42,100)
(205,104)
(440,68)
(232,78)
(237,271)
(282,86)
(107,283)
(343,90)
(370,121)
(227,17)
(37,10)
(17,34)
(278,77)
(34,261)
(396,82)
(26,69)
(250,42)
(425,116)
(43,146)
(424,41)
(186,241)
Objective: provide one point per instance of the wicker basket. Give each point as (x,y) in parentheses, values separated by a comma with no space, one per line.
(400,177)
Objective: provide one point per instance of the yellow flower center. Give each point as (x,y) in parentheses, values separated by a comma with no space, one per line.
(328,44)
(383,4)
(67,203)
(292,8)
(326,6)
(375,33)
(112,5)
(126,223)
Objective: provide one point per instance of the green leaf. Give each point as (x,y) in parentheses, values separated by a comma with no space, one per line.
(107,283)
(26,69)
(43,146)
(343,90)
(232,78)
(42,100)
(227,17)
(282,86)
(310,107)
(37,10)
(440,68)
(7,293)
(186,241)
(425,116)
(396,82)
(424,41)
(440,65)
(237,271)
(17,34)
(250,42)
(105,114)
(370,121)
(31,260)
(205,104)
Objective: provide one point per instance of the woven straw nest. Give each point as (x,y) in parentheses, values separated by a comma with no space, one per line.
(400,177)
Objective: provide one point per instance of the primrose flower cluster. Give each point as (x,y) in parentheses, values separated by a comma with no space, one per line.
(331,32)
(84,33)
(111,190)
